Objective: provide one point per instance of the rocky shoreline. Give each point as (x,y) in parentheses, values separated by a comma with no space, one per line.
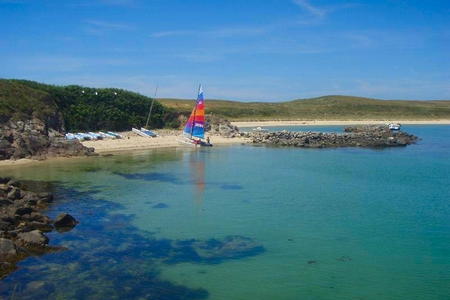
(369,136)
(23,226)
(36,139)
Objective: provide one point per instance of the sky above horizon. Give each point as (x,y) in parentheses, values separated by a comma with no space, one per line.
(259,50)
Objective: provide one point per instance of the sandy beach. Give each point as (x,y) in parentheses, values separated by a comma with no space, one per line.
(131,142)
(335,122)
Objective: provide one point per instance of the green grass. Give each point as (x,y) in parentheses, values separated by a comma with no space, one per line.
(321,108)
(18,101)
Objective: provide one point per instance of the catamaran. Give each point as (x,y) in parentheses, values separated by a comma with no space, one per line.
(194,131)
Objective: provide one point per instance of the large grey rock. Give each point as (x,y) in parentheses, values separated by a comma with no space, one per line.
(47,197)
(14,194)
(33,225)
(35,237)
(35,138)
(23,211)
(4,180)
(5,202)
(7,248)
(65,221)
(219,126)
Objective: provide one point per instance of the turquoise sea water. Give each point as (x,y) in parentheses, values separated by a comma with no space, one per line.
(332,223)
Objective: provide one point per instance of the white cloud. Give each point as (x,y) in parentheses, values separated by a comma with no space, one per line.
(314,10)
(108,25)
(215,33)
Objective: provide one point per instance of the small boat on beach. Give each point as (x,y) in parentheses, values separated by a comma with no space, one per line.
(394,126)
(194,131)
(116,135)
(106,135)
(144,133)
(260,129)
(83,136)
(96,136)
(70,136)
(149,132)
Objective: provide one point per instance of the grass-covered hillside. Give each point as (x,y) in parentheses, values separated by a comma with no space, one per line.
(18,101)
(322,108)
(82,108)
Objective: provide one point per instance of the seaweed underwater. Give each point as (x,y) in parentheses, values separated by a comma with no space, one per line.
(109,258)
(173,179)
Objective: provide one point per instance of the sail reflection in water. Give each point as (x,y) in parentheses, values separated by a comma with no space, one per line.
(197,169)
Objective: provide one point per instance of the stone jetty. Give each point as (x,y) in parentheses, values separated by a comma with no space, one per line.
(369,136)
(22,224)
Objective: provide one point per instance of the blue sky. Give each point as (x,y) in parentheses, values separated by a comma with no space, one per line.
(266,50)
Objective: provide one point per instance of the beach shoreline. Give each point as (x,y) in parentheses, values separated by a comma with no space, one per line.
(245,124)
(129,143)
(133,142)
(170,139)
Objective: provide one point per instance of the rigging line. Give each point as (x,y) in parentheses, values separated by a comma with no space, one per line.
(151,107)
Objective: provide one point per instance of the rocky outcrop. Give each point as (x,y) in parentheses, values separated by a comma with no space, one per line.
(36,139)
(218,126)
(7,248)
(363,136)
(65,221)
(22,224)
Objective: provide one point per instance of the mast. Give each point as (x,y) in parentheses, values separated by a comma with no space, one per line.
(151,107)
(195,110)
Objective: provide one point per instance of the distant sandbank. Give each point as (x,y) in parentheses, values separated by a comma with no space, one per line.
(335,122)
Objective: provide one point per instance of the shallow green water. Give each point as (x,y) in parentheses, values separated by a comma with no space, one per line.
(333,223)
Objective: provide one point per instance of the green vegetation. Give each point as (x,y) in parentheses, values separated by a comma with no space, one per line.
(322,108)
(83,108)
(18,101)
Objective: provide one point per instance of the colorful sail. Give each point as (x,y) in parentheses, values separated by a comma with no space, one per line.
(195,126)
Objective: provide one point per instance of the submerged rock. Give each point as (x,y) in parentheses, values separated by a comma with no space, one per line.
(160,205)
(214,250)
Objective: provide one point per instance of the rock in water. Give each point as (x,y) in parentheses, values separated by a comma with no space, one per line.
(65,221)
(7,248)
(35,237)
(364,136)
